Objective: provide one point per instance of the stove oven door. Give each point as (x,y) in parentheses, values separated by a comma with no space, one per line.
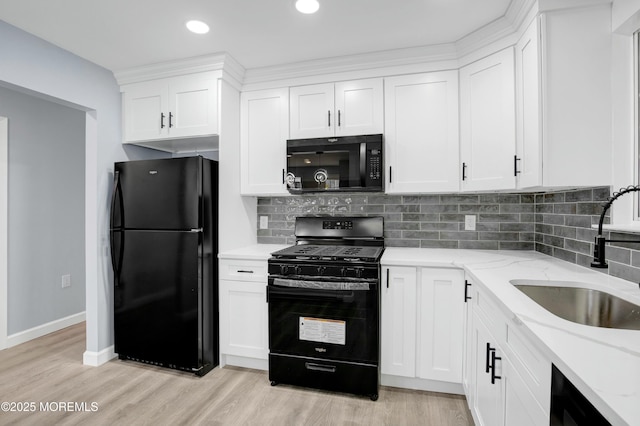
(333,320)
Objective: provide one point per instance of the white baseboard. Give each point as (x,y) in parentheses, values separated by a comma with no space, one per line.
(421,384)
(41,330)
(245,362)
(96,359)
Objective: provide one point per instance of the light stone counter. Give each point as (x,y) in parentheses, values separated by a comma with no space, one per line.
(254,252)
(603,363)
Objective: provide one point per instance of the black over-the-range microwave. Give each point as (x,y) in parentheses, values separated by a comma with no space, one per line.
(347,163)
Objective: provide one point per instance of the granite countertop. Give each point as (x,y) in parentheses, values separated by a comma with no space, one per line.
(603,363)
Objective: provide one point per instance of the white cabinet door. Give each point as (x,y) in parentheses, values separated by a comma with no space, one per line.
(193,107)
(341,109)
(243,319)
(440,324)
(528,109)
(264,119)
(421,133)
(312,111)
(520,406)
(398,322)
(467,363)
(359,107)
(145,107)
(170,108)
(487,122)
(488,396)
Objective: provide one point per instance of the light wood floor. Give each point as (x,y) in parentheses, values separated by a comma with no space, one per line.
(50,370)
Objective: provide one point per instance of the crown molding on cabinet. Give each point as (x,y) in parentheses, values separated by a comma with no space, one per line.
(494,36)
(371,64)
(232,71)
(496,30)
(549,5)
(399,61)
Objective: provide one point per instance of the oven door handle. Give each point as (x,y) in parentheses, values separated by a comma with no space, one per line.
(297,293)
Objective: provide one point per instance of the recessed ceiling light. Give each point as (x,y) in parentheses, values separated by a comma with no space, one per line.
(197,27)
(307,6)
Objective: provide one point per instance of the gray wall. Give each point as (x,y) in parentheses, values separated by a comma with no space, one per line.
(556,223)
(46,210)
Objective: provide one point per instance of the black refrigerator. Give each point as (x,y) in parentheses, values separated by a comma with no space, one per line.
(164,244)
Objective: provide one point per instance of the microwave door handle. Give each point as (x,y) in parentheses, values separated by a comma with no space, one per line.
(363,164)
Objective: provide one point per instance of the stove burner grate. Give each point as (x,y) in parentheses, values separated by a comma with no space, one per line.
(333,251)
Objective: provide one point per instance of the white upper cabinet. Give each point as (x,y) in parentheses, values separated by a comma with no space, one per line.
(170,108)
(563,74)
(359,107)
(421,133)
(487,123)
(528,109)
(193,106)
(264,119)
(340,109)
(312,112)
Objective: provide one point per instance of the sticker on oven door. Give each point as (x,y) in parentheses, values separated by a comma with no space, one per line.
(323,330)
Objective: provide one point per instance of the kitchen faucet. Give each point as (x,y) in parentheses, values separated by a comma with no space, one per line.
(598,250)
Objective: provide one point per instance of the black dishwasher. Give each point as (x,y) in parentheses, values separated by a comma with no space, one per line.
(569,407)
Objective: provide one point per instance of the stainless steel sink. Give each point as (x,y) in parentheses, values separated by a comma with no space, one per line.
(583,305)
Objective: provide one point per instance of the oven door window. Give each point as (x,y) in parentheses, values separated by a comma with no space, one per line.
(336,324)
(336,167)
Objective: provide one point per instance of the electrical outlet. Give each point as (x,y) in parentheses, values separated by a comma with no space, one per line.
(264,222)
(470,222)
(66,281)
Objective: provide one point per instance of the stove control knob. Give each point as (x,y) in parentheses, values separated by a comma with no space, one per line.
(284,269)
(359,272)
(321,270)
(297,270)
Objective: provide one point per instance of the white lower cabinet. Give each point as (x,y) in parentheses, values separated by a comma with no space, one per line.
(520,407)
(422,324)
(509,380)
(487,377)
(243,313)
(398,322)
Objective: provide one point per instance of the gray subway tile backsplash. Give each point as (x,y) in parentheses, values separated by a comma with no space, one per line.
(555,223)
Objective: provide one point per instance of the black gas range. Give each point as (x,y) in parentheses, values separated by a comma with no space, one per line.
(324,306)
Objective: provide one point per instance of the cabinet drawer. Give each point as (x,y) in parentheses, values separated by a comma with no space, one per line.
(533,367)
(492,316)
(243,270)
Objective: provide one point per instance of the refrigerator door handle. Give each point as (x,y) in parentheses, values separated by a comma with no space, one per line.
(116,190)
(116,260)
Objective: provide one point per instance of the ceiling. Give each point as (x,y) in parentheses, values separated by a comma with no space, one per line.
(120,34)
